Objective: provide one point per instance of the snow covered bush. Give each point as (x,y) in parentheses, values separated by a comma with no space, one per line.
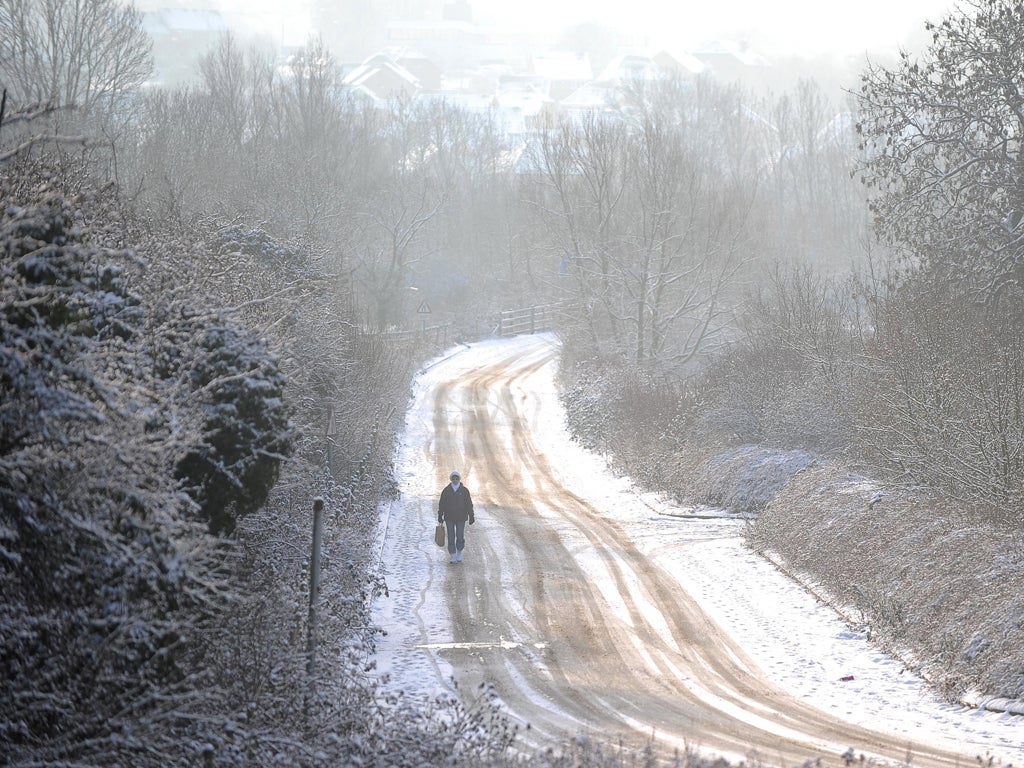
(246,430)
(780,381)
(906,379)
(96,552)
(934,581)
(627,412)
(746,478)
(939,394)
(111,588)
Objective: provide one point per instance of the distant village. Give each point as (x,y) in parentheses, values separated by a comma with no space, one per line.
(516,75)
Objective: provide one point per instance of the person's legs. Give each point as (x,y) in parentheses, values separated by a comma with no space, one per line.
(460,538)
(451,536)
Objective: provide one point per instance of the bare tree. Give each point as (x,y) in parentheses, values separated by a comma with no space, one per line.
(240,83)
(580,174)
(396,220)
(71,52)
(649,204)
(478,240)
(694,177)
(940,392)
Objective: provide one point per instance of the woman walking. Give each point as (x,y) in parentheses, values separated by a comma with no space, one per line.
(454,509)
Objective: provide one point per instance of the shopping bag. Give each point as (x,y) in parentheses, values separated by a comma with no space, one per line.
(439,535)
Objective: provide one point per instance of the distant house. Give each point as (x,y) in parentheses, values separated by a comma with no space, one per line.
(608,94)
(523,83)
(592,97)
(731,61)
(678,63)
(628,67)
(524,104)
(562,71)
(382,79)
(178,23)
(425,70)
(484,79)
(526,157)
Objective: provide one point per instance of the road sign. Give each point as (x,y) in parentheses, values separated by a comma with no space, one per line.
(424,308)
(332,422)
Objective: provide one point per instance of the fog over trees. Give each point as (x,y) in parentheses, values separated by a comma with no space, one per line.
(194,279)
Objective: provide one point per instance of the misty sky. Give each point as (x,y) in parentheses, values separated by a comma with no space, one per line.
(804,27)
(780,28)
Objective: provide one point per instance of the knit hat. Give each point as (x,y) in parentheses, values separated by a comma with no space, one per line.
(455,475)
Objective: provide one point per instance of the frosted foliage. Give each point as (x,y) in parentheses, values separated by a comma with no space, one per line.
(941,148)
(108,576)
(95,557)
(246,428)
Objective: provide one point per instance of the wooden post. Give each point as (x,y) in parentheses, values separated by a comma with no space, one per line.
(314,588)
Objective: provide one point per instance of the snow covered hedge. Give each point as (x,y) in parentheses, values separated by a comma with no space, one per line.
(246,426)
(106,573)
(936,581)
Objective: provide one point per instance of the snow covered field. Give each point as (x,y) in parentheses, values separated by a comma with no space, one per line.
(798,643)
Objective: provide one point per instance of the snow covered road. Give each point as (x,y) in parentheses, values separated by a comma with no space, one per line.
(594,609)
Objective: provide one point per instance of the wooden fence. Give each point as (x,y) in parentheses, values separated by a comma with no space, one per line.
(510,322)
(427,334)
(513,322)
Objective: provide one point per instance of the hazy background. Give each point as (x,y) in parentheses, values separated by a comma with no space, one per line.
(802,27)
(795,27)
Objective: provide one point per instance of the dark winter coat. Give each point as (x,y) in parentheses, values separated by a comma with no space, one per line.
(455,506)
